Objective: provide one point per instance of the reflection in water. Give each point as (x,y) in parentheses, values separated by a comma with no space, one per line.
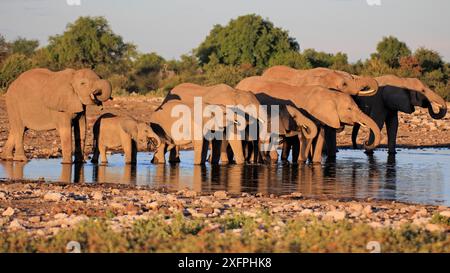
(420,176)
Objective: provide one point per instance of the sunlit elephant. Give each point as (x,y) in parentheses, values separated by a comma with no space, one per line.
(221,94)
(335,80)
(332,79)
(398,94)
(111,131)
(291,122)
(40,99)
(176,125)
(332,109)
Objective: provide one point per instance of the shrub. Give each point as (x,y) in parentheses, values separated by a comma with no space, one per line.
(12,67)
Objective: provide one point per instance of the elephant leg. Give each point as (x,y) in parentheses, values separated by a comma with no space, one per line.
(295,149)
(174,155)
(236,146)
(286,148)
(391,129)
(65,133)
(330,140)
(223,151)
(127,144)
(273,154)
(159,155)
(355,131)
(80,137)
(317,155)
(19,153)
(304,148)
(216,146)
(200,151)
(7,153)
(102,151)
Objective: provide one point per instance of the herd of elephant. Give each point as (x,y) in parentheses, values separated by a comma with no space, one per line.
(313,105)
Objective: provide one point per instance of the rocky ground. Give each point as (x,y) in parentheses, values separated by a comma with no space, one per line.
(418,129)
(44,210)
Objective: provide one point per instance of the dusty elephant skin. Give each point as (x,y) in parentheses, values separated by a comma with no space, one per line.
(398,95)
(330,108)
(40,99)
(220,94)
(111,131)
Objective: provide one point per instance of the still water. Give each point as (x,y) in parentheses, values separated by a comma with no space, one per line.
(414,175)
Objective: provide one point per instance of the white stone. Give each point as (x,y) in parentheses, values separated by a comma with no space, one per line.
(8,212)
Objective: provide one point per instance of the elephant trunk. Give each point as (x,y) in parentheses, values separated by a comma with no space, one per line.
(309,129)
(102,91)
(154,138)
(367,86)
(366,121)
(434,98)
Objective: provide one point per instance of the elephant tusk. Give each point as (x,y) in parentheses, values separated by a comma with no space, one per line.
(367,93)
(261,120)
(304,126)
(362,124)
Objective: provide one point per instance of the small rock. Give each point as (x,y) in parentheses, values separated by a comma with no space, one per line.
(8,212)
(52,196)
(60,216)
(15,225)
(35,219)
(336,215)
(433,228)
(97,196)
(220,195)
(445,213)
(306,212)
(376,224)
(115,205)
(367,209)
(296,195)
(2,195)
(190,194)
(153,205)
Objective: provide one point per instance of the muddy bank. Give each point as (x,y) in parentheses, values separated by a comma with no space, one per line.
(415,130)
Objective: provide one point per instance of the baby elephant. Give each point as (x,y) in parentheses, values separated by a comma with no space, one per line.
(111,131)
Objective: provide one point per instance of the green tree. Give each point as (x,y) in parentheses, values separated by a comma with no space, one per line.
(428,59)
(12,67)
(24,46)
(292,59)
(90,42)
(146,73)
(390,50)
(318,58)
(249,39)
(4,48)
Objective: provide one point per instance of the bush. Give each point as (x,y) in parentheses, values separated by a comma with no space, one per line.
(12,67)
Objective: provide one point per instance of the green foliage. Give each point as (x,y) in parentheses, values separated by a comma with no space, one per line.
(228,74)
(90,42)
(12,67)
(4,49)
(390,50)
(249,39)
(146,73)
(428,59)
(292,59)
(232,233)
(24,46)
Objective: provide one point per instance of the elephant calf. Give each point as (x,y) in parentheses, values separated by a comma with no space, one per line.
(111,131)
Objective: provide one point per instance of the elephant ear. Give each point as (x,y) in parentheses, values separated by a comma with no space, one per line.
(286,119)
(59,95)
(327,114)
(130,127)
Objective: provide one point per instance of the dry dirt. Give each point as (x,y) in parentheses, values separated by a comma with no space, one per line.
(418,129)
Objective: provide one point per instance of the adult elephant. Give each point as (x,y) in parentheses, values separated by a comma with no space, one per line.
(397,95)
(332,109)
(176,124)
(40,99)
(292,122)
(221,94)
(334,80)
